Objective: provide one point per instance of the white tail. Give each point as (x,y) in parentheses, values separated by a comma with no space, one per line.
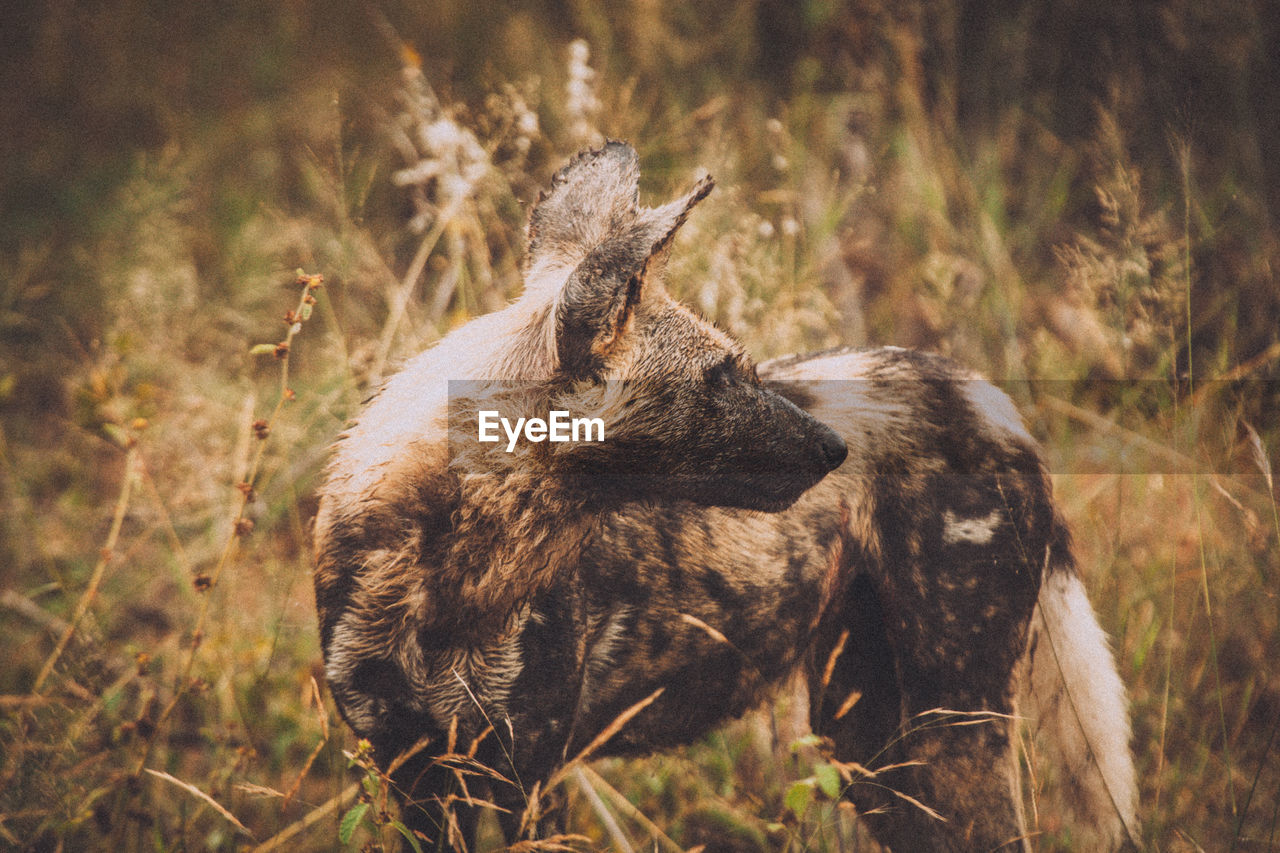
(1075,700)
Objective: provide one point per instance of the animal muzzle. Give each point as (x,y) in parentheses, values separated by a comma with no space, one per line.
(783,457)
(831,447)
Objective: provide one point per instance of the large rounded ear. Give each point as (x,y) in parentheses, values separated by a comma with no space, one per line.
(595,307)
(595,194)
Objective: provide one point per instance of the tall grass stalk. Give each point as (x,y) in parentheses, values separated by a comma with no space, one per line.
(404,292)
(241,525)
(99,569)
(1184,162)
(1263,462)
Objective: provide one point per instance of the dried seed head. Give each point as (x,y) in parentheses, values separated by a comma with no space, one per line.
(311,281)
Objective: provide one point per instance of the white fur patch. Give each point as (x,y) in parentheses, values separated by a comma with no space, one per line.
(996,408)
(1078,697)
(602,655)
(413,404)
(340,669)
(971,531)
(474,683)
(845,365)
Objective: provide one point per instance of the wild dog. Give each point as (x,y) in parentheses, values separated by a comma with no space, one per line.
(699,554)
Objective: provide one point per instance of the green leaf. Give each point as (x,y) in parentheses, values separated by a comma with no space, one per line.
(305,314)
(116,434)
(408,835)
(350,821)
(370,783)
(809,740)
(263,349)
(829,780)
(799,796)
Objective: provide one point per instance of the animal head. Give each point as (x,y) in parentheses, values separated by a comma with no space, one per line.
(685,415)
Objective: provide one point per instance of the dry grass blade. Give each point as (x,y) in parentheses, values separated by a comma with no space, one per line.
(912,763)
(1260,457)
(832,660)
(602,812)
(601,739)
(703,626)
(465,765)
(1249,367)
(849,769)
(196,792)
(257,790)
(625,806)
(921,806)
(282,839)
(554,844)
(719,637)
(970,718)
(847,705)
(315,753)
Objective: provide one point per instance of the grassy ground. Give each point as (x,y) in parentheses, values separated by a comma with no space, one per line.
(1076,207)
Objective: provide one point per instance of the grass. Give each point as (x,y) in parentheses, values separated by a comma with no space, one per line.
(162,685)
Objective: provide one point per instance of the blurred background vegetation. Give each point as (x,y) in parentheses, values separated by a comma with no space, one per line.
(1076,198)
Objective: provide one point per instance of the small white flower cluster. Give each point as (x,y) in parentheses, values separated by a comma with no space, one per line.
(779,142)
(445,160)
(581,103)
(524,120)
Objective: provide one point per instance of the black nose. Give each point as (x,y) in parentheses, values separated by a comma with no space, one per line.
(833,448)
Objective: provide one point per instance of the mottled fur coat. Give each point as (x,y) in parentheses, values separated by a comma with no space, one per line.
(879,520)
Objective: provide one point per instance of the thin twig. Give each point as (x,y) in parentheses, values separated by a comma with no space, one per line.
(309,284)
(18,603)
